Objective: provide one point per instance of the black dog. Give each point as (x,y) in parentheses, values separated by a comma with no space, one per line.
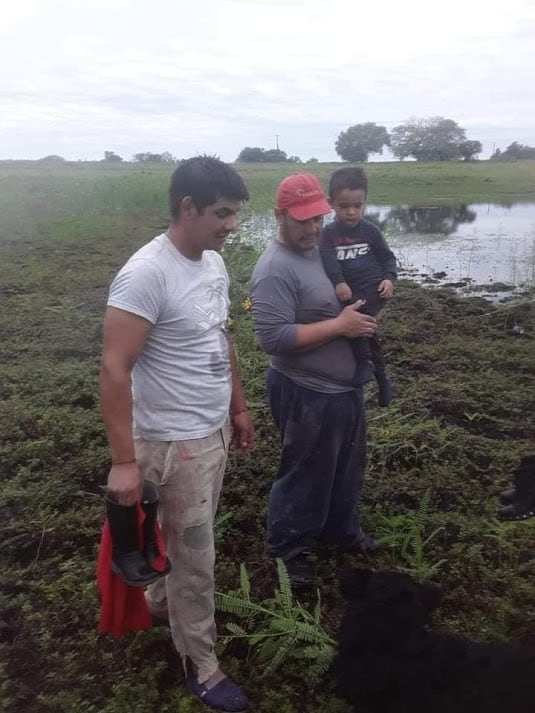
(389,662)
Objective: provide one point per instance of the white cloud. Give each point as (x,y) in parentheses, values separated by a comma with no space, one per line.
(79,77)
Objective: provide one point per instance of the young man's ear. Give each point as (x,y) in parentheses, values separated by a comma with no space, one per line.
(188,209)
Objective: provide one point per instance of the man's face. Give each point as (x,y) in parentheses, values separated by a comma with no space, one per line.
(348,206)
(299,235)
(210,228)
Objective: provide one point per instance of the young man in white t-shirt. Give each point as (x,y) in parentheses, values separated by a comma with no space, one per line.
(172,400)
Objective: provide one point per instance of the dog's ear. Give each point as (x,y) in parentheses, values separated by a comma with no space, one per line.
(353,582)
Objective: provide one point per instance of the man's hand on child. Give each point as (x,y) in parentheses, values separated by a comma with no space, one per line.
(343,292)
(385,289)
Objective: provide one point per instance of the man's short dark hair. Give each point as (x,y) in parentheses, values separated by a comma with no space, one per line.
(351,178)
(205,179)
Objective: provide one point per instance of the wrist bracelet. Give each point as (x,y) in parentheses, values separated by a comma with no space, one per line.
(124,462)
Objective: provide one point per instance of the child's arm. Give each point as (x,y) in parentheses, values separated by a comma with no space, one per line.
(332,266)
(388,262)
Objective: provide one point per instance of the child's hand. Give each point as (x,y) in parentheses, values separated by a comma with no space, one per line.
(343,292)
(386,289)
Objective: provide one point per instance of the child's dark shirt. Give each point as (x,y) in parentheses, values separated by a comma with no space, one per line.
(359,256)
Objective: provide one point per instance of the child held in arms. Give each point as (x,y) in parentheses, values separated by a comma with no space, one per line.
(359,262)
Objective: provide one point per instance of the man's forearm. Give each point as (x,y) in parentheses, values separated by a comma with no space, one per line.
(314,335)
(116,406)
(238,403)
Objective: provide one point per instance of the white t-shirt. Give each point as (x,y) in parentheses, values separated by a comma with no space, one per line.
(181,382)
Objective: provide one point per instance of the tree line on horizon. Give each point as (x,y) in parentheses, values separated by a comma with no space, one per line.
(428,140)
(431,139)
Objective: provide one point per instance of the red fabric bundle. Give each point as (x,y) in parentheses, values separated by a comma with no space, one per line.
(123,608)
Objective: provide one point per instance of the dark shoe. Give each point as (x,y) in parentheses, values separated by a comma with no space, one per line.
(224,696)
(300,570)
(149,503)
(363,545)
(385,389)
(127,560)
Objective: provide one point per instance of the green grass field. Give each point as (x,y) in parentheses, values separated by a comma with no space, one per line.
(462,415)
(41,192)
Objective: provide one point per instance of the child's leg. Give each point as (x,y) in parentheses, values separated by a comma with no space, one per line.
(383,382)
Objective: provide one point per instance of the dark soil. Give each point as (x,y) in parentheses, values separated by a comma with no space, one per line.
(462,416)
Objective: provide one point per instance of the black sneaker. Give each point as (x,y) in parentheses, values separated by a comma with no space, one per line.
(300,570)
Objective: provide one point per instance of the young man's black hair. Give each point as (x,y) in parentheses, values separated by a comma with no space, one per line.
(204,179)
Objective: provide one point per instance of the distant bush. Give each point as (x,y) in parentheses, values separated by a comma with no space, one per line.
(52,158)
(513,151)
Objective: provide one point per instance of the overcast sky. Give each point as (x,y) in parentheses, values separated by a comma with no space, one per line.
(79,77)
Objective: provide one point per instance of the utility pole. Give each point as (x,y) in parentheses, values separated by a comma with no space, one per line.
(277,141)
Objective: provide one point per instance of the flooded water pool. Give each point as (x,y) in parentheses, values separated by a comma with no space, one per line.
(486,249)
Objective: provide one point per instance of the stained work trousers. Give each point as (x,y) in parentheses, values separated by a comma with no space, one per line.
(189,475)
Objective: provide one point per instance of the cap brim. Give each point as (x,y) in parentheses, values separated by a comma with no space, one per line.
(310,210)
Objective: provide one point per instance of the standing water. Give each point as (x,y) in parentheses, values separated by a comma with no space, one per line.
(483,248)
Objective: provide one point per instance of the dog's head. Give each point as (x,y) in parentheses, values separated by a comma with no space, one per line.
(396,591)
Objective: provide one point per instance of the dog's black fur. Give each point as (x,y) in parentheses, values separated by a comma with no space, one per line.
(388,661)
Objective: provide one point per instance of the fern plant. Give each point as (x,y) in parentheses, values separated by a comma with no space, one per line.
(278,628)
(405,533)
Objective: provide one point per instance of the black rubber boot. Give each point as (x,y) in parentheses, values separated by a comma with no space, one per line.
(149,503)
(127,560)
(522,503)
(385,388)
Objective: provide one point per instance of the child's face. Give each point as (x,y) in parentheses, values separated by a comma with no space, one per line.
(348,206)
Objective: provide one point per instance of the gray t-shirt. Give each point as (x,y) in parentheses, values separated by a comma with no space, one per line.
(290,288)
(181,382)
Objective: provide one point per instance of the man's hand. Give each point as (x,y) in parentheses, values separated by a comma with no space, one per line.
(242,432)
(386,289)
(343,292)
(124,483)
(353,323)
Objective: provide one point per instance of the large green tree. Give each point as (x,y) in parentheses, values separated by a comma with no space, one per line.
(359,141)
(251,154)
(469,149)
(432,139)
(255,154)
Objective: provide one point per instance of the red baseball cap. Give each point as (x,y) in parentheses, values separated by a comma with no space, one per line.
(302,196)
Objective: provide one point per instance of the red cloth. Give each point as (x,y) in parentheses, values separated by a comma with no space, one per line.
(123,608)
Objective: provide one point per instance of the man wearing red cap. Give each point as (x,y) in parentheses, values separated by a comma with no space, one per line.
(314,385)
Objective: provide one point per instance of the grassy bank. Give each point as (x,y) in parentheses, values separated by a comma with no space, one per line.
(41,193)
(463,413)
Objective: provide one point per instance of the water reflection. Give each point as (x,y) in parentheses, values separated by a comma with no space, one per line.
(436,219)
(479,244)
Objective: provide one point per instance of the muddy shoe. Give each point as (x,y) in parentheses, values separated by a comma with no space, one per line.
(300,570)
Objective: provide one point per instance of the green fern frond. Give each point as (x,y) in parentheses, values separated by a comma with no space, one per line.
(285,587)
(234,605)
(235,629)
(245,585)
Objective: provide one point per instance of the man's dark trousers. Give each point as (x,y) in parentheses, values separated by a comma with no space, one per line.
(323,457)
